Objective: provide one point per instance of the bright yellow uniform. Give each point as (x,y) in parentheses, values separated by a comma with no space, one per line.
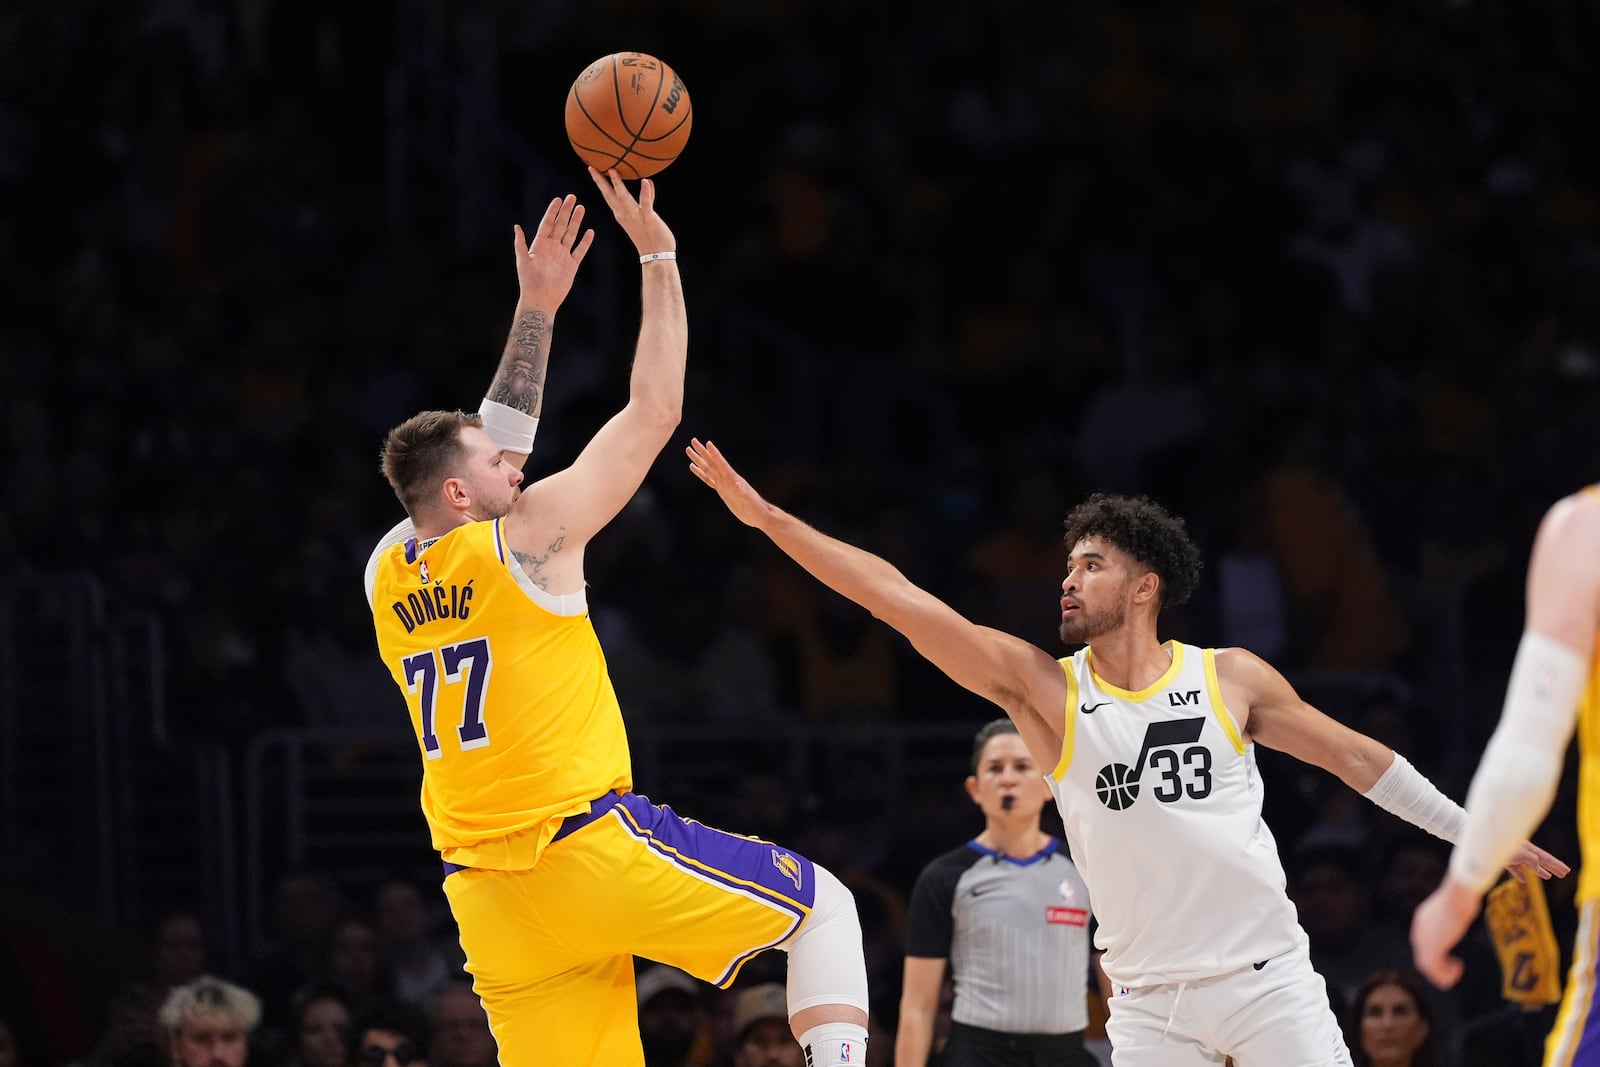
(561,875)
(1575,1040)
(514,711)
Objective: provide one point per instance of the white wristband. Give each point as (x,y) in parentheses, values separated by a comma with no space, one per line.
(1402,790)
(507,427)
(651,257)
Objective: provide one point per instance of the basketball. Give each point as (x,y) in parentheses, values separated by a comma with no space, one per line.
(629,111)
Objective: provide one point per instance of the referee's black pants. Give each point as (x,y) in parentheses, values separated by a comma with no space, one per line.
(972,1046)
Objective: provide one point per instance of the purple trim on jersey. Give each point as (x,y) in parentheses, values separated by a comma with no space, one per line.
(1038,857)
(411,550)
(597,807)
(499,542)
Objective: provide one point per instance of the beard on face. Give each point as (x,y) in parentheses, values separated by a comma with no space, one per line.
(1087,625)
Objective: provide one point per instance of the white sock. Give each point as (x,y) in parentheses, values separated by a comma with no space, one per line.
(832,1044)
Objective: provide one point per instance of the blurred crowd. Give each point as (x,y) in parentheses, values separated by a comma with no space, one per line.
(1319,275)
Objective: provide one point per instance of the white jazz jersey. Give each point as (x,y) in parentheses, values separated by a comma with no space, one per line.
(1161,801)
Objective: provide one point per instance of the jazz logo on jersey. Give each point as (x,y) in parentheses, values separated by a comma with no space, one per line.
(787,866)
(1117,784)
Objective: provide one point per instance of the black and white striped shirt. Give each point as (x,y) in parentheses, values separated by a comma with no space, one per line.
(1016,933)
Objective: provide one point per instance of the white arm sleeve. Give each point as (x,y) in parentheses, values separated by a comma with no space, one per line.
(398,534)
(1403,790)
(1521,768)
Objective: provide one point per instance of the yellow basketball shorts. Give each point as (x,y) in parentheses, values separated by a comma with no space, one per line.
(551,949)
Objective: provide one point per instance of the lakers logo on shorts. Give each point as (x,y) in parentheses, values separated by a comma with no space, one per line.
(788,866)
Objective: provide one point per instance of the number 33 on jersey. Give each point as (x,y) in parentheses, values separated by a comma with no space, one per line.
(1158,785)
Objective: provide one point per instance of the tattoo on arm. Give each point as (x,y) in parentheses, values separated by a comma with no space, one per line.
(533,563)
(519,380)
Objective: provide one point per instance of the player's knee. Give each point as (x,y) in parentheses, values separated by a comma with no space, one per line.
(833,903)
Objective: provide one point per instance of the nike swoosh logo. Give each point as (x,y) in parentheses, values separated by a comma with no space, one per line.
(1260,965)
(1089,709)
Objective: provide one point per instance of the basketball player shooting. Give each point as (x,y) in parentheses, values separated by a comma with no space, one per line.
(556,872)
(1150,746)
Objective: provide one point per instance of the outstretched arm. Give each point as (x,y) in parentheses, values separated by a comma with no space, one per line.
(1521,768)
(1023,680)
(546,267)
(1277,717)
(562,512)
(510,410)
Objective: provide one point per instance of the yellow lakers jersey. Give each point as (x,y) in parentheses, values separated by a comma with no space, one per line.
(1589,774)
(514,712)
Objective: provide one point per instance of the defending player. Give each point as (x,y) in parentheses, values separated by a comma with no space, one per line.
(1150,746)
(1554,687)
(558,874)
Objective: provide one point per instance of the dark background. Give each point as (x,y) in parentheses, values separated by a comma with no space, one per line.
(1318,275)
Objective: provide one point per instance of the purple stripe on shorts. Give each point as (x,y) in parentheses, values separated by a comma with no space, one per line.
(1588,1051)
(776,874)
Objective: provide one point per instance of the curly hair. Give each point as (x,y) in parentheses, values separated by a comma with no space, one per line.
(1144,530)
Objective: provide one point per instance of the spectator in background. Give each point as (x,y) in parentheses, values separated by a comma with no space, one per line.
(1330,892)
(761,1036)
(133,1033)
(388,1034)
(1412,867)
(1341,609)
(1389,1023)
(209,1022)
(672,1015)
(320,1029)
(179,953)
(305,902)
(419,967)
(352,965)
(461,1034)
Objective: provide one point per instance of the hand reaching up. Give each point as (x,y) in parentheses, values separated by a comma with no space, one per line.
(637,218)
(547,265)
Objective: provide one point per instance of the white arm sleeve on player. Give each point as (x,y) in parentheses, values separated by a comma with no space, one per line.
(507,427)
(1521,767)
(398,534)
(1402,790)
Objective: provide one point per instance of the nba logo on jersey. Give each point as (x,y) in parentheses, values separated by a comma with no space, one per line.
(788,866)
(422,569)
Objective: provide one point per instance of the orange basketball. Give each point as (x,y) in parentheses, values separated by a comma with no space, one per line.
(629,111)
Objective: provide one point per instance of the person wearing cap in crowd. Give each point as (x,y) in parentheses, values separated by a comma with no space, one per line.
(761,1036)
(208,1023)
(672,1016)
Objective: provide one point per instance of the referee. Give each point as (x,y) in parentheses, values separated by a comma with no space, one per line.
(1009,914)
